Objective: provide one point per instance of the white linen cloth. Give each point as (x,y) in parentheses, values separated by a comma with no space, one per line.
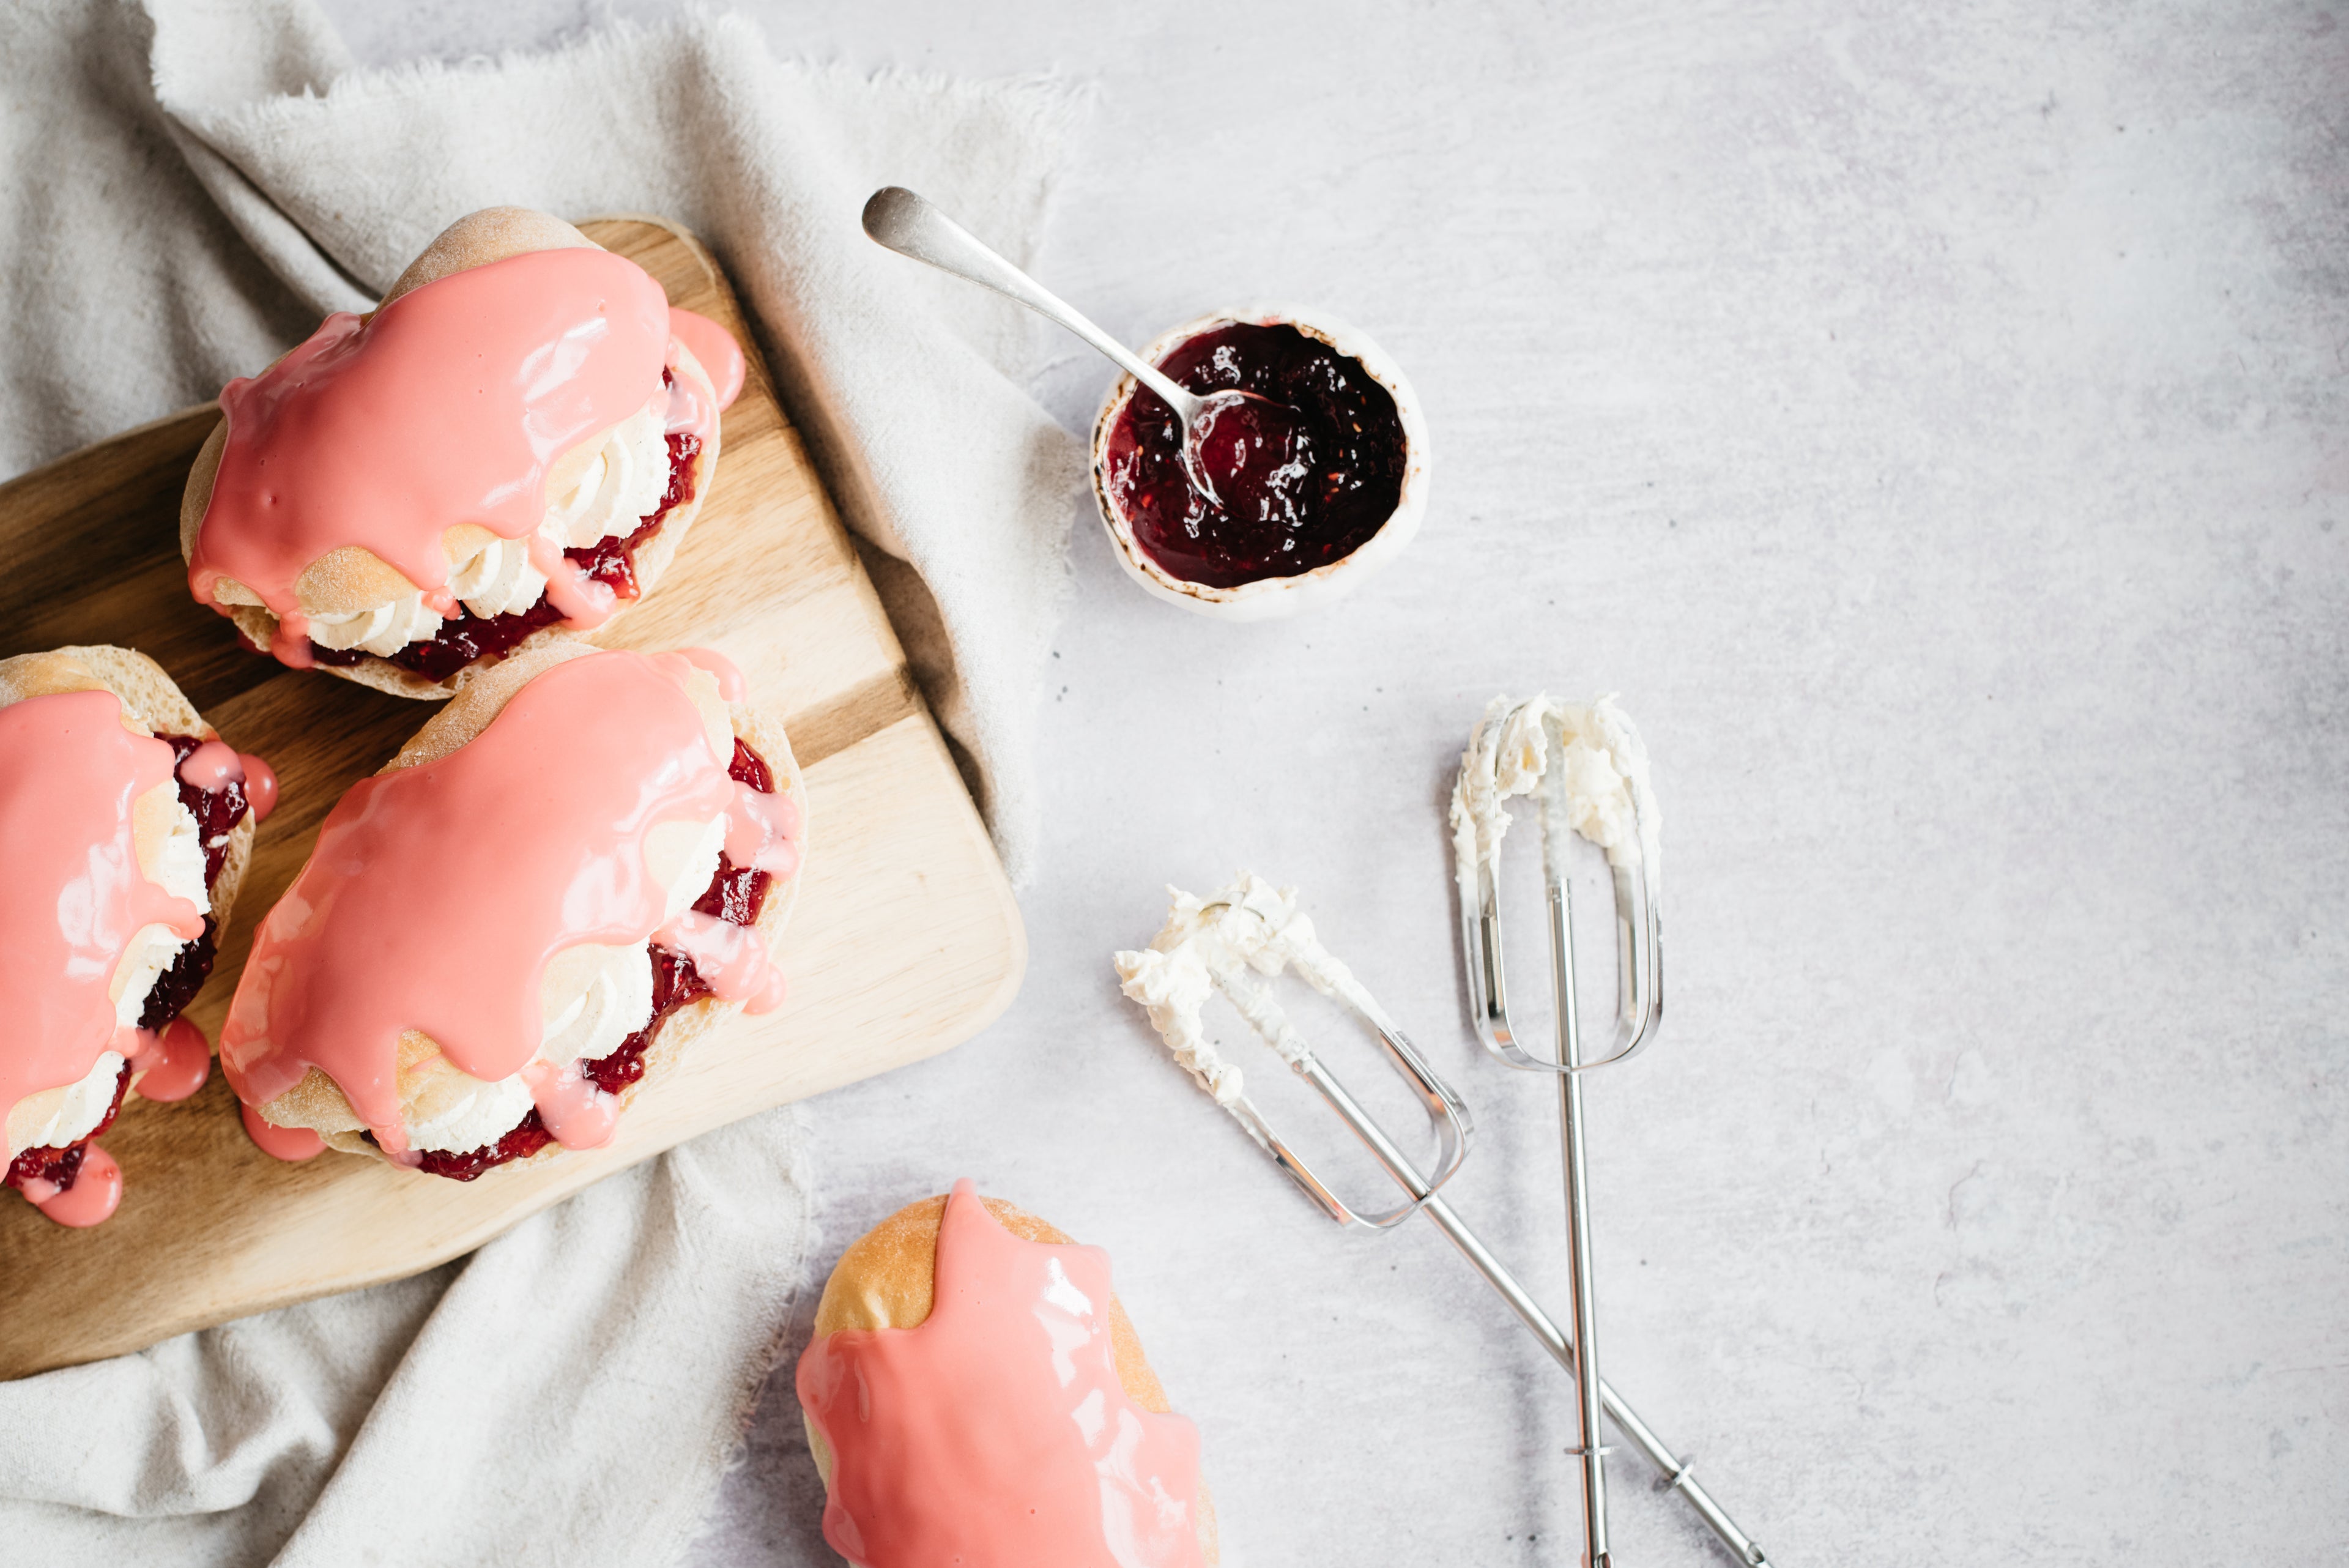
(188,186)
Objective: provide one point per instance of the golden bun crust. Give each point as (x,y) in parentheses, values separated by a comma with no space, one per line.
(352,578)
(887,1279)
(477,239)
(152,704)
(315,1102)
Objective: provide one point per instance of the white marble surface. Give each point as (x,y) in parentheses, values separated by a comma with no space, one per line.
(1931,420)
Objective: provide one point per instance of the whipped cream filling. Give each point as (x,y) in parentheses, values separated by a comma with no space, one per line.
(384,629)
(72,1113)
(1602,765)
(591,999)
(619,488)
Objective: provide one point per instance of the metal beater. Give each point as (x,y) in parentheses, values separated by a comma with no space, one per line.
(1589,771)
(1252,929)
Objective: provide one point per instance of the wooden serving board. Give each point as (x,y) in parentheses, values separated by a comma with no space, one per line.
(904,940)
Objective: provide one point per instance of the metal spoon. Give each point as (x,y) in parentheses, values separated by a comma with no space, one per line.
(908,225)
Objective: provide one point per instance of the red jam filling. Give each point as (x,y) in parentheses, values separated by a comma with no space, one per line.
(58,1167)
(735,894)
(468,638)
(217,812)
(1299,483)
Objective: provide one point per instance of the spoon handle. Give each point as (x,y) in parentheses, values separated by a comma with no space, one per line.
(911,226)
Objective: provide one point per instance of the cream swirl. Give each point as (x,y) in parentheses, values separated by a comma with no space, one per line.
(618,488)
(381,629)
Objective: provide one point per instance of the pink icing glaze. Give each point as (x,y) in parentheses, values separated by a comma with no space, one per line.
(292,1145)
(447,406)
(996,1433)
(93,1197)
(73,896)
(578,1113)
(733,959)
(260,786)
(438,893)
(721,668)
(212,766)
(714,347)
(173,1065)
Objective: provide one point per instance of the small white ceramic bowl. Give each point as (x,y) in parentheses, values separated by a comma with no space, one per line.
(1269,598)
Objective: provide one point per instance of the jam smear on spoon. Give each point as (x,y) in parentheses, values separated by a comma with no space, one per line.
(1301,478)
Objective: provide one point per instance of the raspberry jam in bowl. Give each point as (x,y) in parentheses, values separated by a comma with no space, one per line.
(1317,480)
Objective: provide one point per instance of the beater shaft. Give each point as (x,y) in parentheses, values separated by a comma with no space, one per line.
(1580,1279)
(1406,1175)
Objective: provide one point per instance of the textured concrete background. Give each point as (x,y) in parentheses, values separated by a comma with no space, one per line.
(1931,420)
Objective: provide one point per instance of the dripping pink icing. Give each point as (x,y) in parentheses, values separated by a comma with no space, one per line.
(732,959)
(578,1113)
(292,1145)
(714,348)
(212,766)
(437,893)
(260,785)
(721,668)
(92,1198)
(447,406)
(73,895)
(997,1431)
(171,1064)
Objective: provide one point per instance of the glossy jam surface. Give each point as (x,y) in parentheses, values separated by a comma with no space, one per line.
(997,1432)
(1301,479)
(447,406)
(468,638)
(438,893)
(73,896)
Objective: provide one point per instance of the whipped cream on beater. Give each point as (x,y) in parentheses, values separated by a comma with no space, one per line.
(619,488)
(1250,925)
(592,998)
(1602,763)
(178,868)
